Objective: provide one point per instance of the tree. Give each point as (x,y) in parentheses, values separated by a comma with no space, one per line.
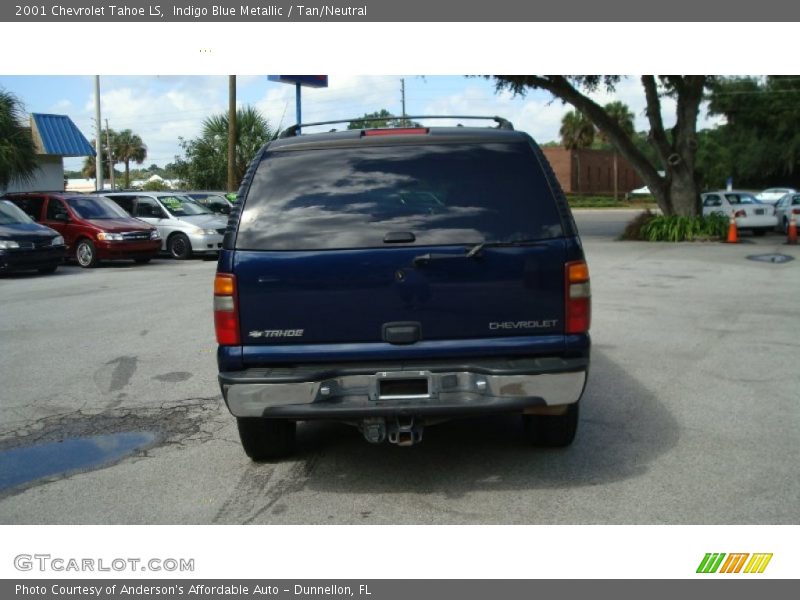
(577,133)
(623,116)
(384,119)
(676,192)
(126,146)
(17,151)
(759,144)
(205,164)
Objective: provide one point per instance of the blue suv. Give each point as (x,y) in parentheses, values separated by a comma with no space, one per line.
(396,278)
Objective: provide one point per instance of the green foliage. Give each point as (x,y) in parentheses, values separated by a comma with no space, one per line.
(576,131)
(633,230)
(759,145)
(383,119)
(205,165)
(17,151)
(576,201)
(126,146)
(155,186)
(676,228)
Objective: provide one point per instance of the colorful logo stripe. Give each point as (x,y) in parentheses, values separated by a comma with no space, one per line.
(712,562)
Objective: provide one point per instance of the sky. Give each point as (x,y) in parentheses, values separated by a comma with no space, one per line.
(163,109)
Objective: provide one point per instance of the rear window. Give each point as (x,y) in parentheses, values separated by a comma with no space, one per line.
(442,193)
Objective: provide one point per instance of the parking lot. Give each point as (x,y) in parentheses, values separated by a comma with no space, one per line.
(690,414)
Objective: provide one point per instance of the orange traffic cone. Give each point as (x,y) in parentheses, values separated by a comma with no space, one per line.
(791,237)
(733,234)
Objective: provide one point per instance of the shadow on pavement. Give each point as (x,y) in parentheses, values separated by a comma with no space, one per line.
(623,428)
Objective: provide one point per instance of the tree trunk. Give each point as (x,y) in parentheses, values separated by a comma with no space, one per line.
(578,179)
(127,175)
(616,178)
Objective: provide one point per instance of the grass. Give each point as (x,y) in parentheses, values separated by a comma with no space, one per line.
(659,228)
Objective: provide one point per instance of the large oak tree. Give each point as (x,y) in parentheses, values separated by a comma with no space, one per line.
(676,192)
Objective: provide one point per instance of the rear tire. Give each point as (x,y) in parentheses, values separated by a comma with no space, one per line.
(86,254)
(263,439)
(552,431)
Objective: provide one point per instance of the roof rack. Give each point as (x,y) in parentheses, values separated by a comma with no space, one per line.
(294,130)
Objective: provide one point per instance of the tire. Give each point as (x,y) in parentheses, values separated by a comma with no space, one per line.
(552,431)
(263,439)
(759,232)
(179,246)
(48,270)
(86,254)
(142,261)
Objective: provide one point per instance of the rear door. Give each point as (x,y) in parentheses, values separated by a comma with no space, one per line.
(337,245)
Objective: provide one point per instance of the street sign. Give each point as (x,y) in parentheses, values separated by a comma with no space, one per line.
(316,81)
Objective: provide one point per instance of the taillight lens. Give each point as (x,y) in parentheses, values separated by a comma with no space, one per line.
(796,211)
(739,213)
(226,311)
(577,297)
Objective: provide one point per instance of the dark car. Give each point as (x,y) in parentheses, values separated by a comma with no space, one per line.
(26,245)
(214,201)
(395,278)
(93,227)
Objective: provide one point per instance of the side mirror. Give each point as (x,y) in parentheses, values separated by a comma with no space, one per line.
(224,210)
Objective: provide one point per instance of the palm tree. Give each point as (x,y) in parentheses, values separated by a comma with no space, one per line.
(576,132)
(127,147)
(619,112)
(17,150)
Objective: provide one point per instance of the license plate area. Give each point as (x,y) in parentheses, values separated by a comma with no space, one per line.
(402,386)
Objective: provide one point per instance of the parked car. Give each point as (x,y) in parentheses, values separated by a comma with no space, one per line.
(185,226)
(25,245)
(93,227)
(785,207)
(772,195)
(748,212)
(214,201)
(411,276)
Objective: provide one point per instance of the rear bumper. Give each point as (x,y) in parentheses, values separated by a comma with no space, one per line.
(757,222)
(449,389)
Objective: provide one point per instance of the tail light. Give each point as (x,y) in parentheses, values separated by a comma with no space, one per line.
(796,211)
(577,297)
(226,310)
(739,213)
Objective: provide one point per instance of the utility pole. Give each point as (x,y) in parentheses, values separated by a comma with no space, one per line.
(232,133)
(110,158)
(403,99)
(98,144)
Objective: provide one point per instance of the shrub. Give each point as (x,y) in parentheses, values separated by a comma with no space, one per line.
(679,229)
(633,230)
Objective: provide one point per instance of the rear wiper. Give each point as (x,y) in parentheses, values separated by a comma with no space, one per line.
(476,250)
(473,252)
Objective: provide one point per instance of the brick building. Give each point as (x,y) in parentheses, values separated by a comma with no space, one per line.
(596,171)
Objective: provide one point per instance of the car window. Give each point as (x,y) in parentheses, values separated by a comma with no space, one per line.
(31,206)
(741,199)
(182,206)
(147,208)
(795,200)
(55,209)
(96,207)
(712,200)
(10,214)
(124,202)
(442,193)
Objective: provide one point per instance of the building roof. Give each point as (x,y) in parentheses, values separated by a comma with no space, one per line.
(57,134)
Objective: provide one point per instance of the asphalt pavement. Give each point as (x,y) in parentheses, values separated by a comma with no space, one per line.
(690,414)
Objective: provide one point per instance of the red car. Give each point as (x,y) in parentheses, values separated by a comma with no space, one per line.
(94,228)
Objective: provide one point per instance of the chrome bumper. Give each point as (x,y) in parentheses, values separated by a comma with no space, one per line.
(433,393)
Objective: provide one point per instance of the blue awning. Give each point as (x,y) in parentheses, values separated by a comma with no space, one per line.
(59,136)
